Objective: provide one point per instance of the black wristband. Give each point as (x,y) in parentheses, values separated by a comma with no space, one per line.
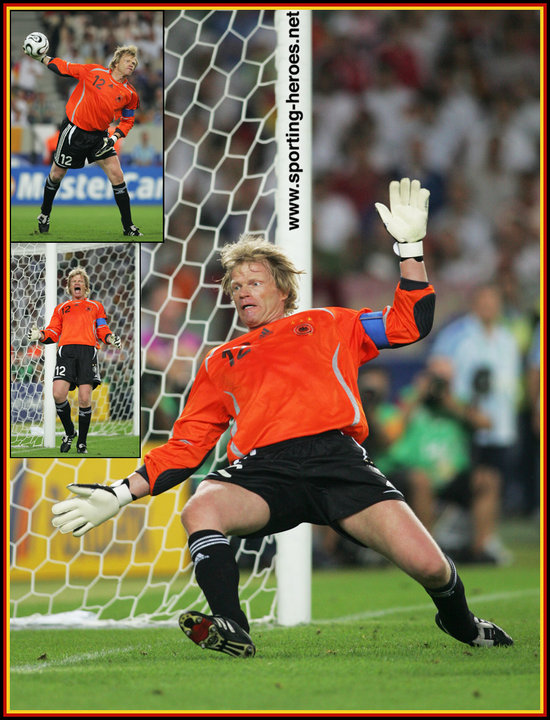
(126,482)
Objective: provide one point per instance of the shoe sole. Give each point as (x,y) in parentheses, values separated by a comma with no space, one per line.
(205,633)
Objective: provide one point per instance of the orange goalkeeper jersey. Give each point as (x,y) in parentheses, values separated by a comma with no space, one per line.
(97,99)
(78,322)
(293,377)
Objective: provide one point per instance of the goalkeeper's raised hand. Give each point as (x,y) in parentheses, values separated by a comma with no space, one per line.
(34,333)
(35,56)
(115,340)
(90,506)
(407,217)
(108,144)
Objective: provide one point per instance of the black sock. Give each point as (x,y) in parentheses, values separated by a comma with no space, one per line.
(123,201)
(64,413)
(84,417)
(50,191)
(454,612)
(217,574)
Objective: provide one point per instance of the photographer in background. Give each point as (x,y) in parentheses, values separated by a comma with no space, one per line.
(431,460)
(486,361)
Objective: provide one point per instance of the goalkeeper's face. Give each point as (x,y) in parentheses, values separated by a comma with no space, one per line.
(126,65)
(257,298)
(77,287)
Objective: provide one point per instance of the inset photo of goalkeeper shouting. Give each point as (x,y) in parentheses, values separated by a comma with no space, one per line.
(91,417)
(76,326)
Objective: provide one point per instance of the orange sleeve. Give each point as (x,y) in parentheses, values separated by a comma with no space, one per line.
(102,327)
(52,332)
(65,69)
(128,113)
(410,318)
(195,433)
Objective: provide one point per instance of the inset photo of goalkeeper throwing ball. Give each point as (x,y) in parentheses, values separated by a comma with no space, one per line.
(86,125)
(74,350)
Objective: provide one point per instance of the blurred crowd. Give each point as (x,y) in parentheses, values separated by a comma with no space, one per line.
(450,97)
(86,37)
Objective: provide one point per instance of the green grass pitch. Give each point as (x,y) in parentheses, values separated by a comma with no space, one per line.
(371,648)
(101,446)
(105,440)
(85,223)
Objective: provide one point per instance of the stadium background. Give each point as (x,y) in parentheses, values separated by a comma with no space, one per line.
(38,100)
(493,59)
(450,97)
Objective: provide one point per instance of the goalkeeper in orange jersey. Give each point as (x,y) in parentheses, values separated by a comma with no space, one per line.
(101,95)
(288,387)
(76,326)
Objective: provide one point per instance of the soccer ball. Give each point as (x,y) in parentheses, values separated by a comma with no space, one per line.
(36,44)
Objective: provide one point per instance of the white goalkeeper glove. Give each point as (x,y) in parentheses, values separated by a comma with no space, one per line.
(114,340)
(91,506)
(34,333)
(108,144)
(34,56)
(407,218)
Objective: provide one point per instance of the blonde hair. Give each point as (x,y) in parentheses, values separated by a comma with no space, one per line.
(78,271)
(252,247)
(123,50)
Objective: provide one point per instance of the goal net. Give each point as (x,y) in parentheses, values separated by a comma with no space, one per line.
(38,283)
(220,181)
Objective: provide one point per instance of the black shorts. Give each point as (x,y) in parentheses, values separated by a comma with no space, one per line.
(317,479)
(75,146)
(77,365)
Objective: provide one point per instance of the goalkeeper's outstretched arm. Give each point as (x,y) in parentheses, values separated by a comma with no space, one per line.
(93,504)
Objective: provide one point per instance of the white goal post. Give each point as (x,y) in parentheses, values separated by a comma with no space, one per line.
(229,145)
(294,228)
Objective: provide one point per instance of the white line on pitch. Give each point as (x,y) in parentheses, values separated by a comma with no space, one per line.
(472,600)
(41,665)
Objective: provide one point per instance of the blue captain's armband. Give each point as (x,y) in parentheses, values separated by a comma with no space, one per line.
(374,326)
(100,321)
